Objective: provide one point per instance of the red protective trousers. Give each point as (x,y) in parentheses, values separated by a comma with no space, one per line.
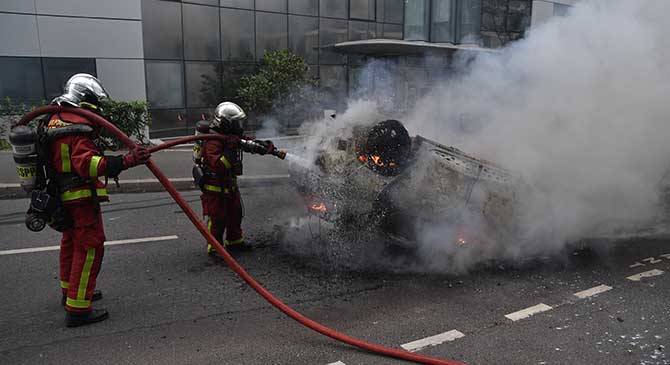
(81,252)
(224,215)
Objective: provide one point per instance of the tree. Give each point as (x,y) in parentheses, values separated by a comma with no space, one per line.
(281,80)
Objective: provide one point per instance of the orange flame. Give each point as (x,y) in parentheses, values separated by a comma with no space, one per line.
(377,160)
(318,207)
(363,158)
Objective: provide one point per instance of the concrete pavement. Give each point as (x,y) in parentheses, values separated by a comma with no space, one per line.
(172,304)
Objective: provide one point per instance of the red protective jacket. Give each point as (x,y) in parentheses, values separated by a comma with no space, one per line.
(77,154)
(223,163)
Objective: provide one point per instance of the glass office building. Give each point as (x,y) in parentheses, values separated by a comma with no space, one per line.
(183,57)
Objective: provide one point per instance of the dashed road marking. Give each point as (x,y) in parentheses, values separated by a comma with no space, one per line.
(432,340)
(646,274)
(593,291)
(525,313)
(652,260)
(337,363)
(107,243)
(637,264)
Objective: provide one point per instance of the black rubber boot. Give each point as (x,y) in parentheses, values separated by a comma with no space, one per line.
(97,295)
(240,247)
(76,319)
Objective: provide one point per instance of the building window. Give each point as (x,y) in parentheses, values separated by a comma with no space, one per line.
(278,6)
(441,21)
(390,11)
(232,74)
(361,30)
(203,84)
(271,33)
(165,84)
(392,31)
(58,70)
(469,24)
(417,20)
(303,37)
(237,35)
(21,79)
(303,7)
(332,31)
(168,122)
(241,4)
(561,9)
(362,9)
(333,83)
(205,2)
(334,8)
(161,29)
(201,38)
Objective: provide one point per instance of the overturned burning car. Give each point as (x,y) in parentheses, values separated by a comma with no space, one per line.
(381,179)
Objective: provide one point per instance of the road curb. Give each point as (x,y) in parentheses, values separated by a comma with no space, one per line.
(14,191)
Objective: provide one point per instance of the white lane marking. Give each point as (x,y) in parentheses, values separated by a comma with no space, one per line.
(593,291)
(337,363)
(646,274)
(107,243)
(525,313)
(432,340)
(636,264)
(652,260)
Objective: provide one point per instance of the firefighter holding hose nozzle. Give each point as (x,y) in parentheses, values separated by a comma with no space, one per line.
(61,170)
(218,164)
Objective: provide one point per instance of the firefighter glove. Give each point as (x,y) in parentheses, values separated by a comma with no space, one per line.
(137,156)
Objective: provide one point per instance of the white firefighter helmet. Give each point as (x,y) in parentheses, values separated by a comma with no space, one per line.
(228,117)
(82,88)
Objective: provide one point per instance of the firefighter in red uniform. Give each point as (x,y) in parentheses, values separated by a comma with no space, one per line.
(221,165)
(76,163)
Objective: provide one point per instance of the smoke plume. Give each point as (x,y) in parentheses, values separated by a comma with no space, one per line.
(579,109)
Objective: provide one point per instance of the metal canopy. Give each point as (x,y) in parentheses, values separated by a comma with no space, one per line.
(395,47)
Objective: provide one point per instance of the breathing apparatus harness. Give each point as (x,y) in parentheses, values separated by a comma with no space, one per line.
(42,181)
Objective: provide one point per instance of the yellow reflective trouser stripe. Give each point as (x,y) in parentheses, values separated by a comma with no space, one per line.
(64,284)
(234,242)
(225,161)
(216,189)
(74,303)
(209,228)
(65,158)
(85,274)
(74,195)
(93,167)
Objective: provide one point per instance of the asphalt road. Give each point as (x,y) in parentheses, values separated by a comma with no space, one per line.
(172,304)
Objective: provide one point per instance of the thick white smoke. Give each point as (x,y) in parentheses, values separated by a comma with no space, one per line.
(579,108)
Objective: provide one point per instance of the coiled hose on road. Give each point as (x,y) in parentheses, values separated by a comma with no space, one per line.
(230,261)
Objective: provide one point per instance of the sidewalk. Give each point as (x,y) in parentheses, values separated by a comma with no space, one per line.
(175,163)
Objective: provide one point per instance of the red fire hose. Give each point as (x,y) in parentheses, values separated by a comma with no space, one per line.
(386,351)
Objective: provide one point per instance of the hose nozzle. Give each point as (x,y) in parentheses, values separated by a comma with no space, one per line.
(281,154)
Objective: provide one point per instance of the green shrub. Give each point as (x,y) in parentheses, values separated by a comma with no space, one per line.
(130,116)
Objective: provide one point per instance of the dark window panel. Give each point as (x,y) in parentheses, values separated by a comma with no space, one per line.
(334,8)
(271,33)
(333,83)
(470,21)
(303,37)
(168,123)
(237,35)
(561,9)
(442,21)
(362,9)
(332,31)
(161,29)
(201,40)
(391,11)
(392,31)
(193,115)
(205,2)
(271,5)
(165,84)
(361,30)
(58,70)
(203,84)
(232,74)
(417,20)
(242,4)
(304,7)
(21,79)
